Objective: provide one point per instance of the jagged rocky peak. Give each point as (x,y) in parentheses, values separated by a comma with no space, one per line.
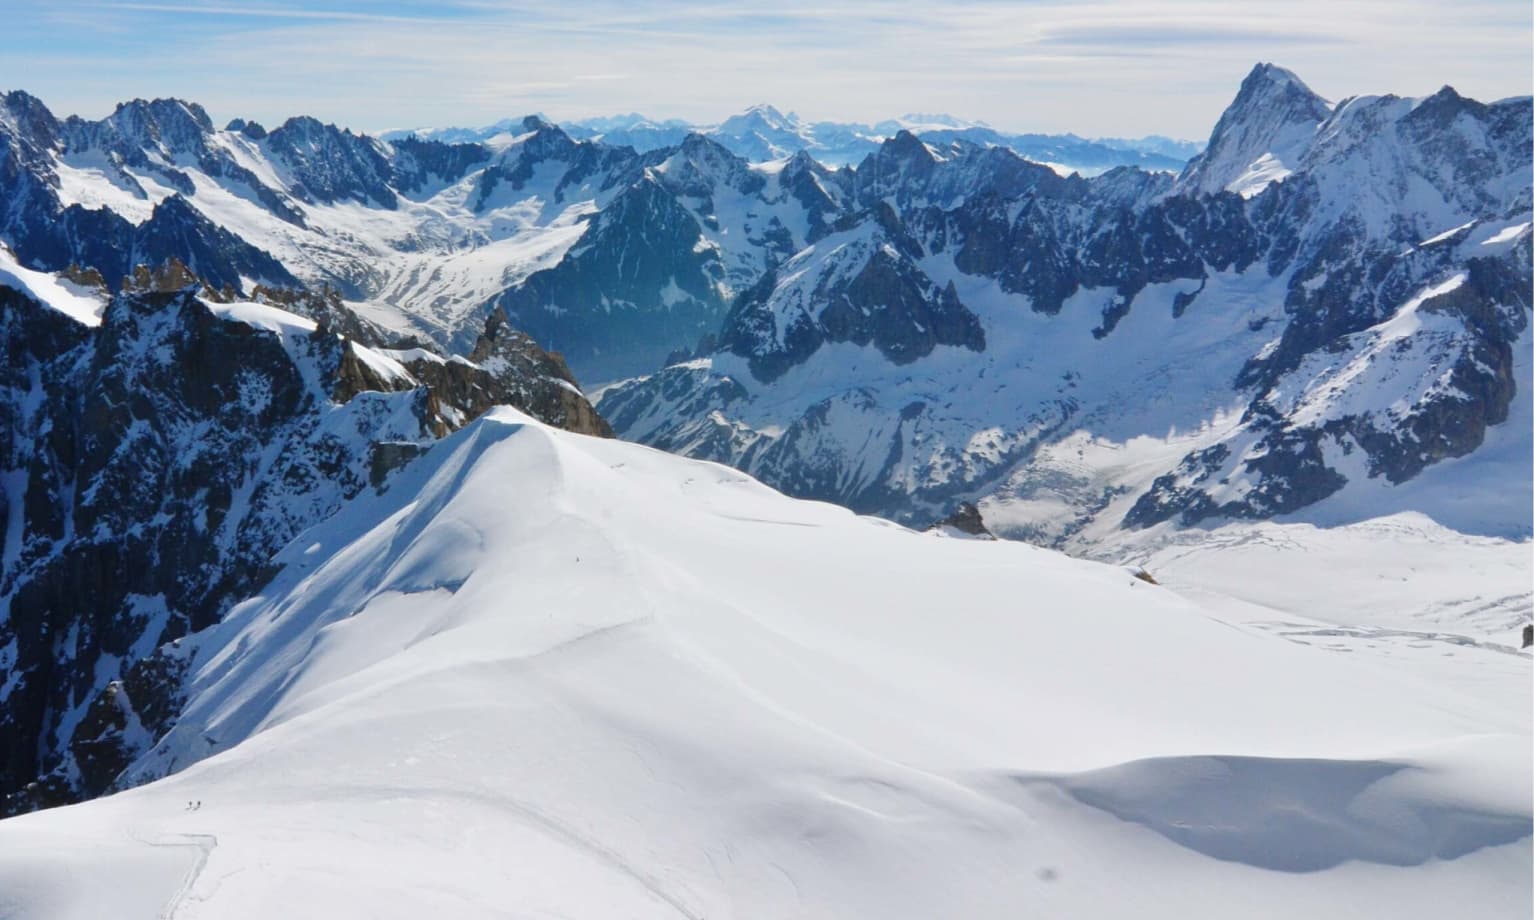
(417,163)
(172,275)
(1262,135)
(905,146)
(330,164)
(536,123)
(163,127)
(699,164)
(164,119)
(547,140)
(506,368)
(250,129)
(539,382)
(27,116)
(901,166)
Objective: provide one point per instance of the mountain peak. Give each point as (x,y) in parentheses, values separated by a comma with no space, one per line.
(905,145)
(24,112)
(1261,136)
(759,117)
(766,111)
(1267,74)
(162,112)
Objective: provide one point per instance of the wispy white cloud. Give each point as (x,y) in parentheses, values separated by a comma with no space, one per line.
(257,12)
(1096,67)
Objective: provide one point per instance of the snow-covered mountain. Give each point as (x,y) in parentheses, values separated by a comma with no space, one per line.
(945,322)
(615,258)
(1260,138)
(579,677)
(349,636)
(1084,355)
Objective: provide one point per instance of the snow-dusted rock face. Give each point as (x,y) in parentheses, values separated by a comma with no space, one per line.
(861,283)
(160,448)
(1261,138)
(1145,350)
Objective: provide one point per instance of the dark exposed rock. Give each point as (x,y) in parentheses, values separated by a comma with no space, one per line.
(869,293)
(965,519)
(330,164)
(507,368)
(601,306)
(418,164)
(389,456)
(326,308)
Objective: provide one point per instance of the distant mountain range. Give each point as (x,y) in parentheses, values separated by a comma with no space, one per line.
(762,134)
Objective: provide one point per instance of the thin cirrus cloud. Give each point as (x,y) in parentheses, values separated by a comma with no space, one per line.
(1095,67)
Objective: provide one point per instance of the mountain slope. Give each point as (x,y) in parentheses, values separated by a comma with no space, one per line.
(161,447)
(579,676)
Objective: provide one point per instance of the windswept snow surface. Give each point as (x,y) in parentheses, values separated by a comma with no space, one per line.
(545,675)
(52,291)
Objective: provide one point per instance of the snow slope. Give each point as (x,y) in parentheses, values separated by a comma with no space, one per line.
(547,675)
(50,290)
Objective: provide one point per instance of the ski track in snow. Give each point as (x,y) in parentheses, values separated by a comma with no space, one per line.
(205,844)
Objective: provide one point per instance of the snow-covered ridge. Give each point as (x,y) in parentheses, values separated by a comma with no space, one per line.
(73,300)
(640,681)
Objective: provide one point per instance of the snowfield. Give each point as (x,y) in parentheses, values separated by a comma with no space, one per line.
(544,675)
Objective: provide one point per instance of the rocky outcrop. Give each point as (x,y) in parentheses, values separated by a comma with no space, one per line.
(965,520)
(506,368)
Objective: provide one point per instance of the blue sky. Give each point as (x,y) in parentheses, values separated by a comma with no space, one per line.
(1099,67)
